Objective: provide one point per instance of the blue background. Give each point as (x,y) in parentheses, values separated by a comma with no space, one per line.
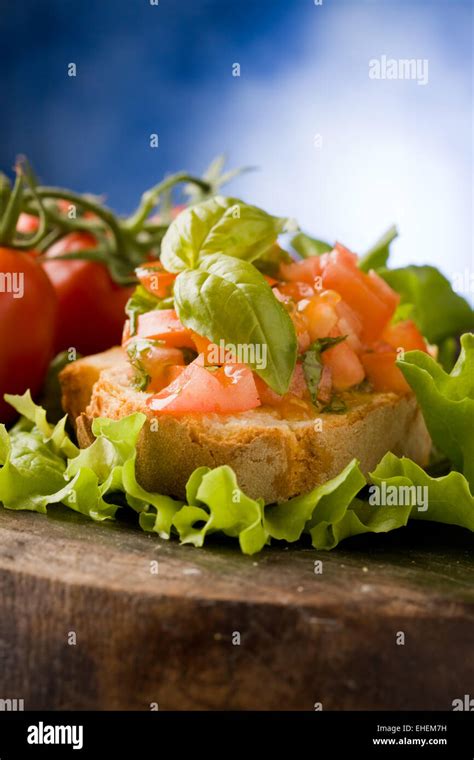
(391,150)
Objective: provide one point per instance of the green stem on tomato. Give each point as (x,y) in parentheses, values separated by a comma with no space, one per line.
(102,212)
(150,198)
(12,212)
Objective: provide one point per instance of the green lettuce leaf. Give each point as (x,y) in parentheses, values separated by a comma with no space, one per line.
(446,499)
(216,503)
(447,402)
(42,466)
(219,225)
(438,311)
(228,299)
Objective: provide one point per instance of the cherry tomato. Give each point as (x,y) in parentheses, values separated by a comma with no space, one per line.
(91,304)
(28,309)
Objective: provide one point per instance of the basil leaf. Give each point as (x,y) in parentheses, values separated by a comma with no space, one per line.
(228,299)
(308,246)
(322,344)
(217,225)
(438,311)
(313,367)
(142,301)
(377,256)
(269,262)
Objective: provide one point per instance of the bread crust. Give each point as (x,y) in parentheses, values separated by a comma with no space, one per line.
(273,458)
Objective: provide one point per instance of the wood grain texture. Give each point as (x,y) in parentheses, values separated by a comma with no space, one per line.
(167,638)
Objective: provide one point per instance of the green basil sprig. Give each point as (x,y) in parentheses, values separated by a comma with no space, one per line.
(217,225)
(227,298)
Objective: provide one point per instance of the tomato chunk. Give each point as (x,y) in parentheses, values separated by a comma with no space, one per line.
(321,317)
(405,335)
(383,373)
(358,292)
(301,271)
(349,324)
(163,324)
(345,366)
(382,290)
(155,279)
(229,389)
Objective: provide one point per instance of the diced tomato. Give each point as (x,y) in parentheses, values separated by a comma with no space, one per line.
(325,386)
(298,385)
(155,279)
(297,391)
(321,317)
(301,271)
(382,290)
(161,363)
(296,290)
(383,373)
(345,366)
(341,255)
(163,324)
(202,344)
(229,389)
(404,335)
(357,290)
(349,324)
(271,280)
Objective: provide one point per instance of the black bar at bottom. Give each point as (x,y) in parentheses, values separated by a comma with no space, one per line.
(135,734)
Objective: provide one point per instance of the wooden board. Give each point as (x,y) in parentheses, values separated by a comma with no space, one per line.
(171,638)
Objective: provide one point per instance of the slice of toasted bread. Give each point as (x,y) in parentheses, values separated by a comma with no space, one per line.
(77,379)
(273,458)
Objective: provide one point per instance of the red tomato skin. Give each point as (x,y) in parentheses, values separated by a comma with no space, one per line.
(298,389)
(91,305)
(163,324)
(383,373)
(306,270)
(228,390)
(27,326)
(27,223)
(346,368)
(352,285)
(382,290)
(154,278)
(296,290)
(405,335)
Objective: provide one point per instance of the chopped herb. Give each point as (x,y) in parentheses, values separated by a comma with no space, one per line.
(135,352)
(312,364)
